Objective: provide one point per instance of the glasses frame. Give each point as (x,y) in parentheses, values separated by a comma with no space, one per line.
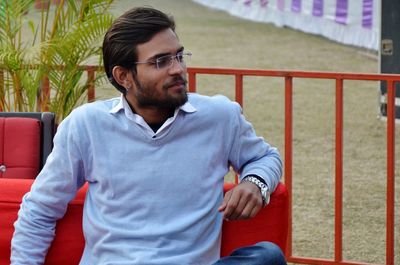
(171,58)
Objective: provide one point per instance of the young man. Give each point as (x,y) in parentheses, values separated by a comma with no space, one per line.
(155,160)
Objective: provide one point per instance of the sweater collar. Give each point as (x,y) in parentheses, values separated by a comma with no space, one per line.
(123,104)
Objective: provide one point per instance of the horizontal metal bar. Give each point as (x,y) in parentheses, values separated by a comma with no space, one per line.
(319,261)
(297,74)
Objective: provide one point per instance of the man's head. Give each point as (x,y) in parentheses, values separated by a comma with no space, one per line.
(144,59)
(134,27)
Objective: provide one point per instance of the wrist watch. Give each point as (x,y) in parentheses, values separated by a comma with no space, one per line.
(265,194)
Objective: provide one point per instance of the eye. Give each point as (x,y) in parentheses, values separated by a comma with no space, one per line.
(163,61)
(180,57)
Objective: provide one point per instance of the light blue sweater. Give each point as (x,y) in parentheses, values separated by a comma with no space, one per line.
(152,197)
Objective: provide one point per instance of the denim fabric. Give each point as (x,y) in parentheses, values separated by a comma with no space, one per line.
(263,253)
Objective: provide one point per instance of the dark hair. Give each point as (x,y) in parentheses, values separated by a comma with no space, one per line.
(136,26)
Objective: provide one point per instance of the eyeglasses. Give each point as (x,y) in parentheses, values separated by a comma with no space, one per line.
(167,61)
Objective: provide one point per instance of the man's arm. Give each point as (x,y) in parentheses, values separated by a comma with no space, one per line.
(48,199)
(250,155)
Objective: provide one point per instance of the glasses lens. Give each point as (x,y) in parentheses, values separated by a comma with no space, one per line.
(164,61)
(167,61)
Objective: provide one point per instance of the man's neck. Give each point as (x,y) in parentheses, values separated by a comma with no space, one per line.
(155,126)
(155,115)
(152,115)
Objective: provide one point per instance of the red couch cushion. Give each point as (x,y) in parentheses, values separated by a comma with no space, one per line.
(11,192)
(19,147)
(68,244)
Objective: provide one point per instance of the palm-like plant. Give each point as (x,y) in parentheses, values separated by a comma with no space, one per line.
(52,50)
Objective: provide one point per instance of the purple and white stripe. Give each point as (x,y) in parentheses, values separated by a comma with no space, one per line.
(318,8)
(281,5)
(367,13)
(296,6)
(341,11)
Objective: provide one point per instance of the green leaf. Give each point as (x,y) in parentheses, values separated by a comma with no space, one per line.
(52,42)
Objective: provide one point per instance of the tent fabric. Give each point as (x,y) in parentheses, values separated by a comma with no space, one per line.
(354,23)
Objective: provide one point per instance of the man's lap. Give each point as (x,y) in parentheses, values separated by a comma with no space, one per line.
(262,253)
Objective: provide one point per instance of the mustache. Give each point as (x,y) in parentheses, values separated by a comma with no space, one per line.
(176,81)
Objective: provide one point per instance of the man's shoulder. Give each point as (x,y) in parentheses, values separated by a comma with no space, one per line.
(91,113)
(96,108)
(214,102)
(215,109)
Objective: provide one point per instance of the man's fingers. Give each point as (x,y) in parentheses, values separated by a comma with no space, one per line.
(254,211)
(232,201)
(248,207)
(245,212)
(236,207)
(225,201)
(250,211)
(242,202)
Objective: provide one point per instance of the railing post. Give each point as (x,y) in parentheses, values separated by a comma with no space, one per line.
(192,81)
(239,89)
(238,99)
(90,82)
(2,90)
(288,154)
(44,95)
(390,198)
(339,172)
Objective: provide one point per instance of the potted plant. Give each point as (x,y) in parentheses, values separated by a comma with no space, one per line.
(47,47)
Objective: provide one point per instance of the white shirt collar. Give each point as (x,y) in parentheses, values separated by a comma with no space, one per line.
(123,105)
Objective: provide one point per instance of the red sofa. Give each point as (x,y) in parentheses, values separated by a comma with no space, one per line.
(270,224)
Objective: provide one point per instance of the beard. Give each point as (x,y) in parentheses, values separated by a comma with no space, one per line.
(148,96)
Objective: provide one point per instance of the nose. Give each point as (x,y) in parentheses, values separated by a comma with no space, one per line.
(177,67)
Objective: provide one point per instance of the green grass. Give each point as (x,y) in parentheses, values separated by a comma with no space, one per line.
(220,40)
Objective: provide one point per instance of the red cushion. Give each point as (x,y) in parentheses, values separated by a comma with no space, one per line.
(11,194)
(19,147)
(68,244)
(270,224)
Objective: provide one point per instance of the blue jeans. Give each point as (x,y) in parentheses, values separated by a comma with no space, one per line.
(263,253)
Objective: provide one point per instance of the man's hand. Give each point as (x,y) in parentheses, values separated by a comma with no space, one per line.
(242,202)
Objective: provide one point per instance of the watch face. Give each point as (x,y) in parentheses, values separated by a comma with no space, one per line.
(264,192)
(265,195)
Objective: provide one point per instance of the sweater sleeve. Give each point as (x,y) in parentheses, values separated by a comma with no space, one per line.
(48,199)
(251,154)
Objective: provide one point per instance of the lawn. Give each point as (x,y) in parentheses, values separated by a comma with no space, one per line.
(217,39)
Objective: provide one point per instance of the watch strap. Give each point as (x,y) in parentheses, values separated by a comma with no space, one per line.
(265,194)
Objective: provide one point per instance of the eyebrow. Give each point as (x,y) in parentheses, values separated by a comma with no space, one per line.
(154,57)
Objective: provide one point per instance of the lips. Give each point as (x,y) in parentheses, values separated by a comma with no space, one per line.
(176,84)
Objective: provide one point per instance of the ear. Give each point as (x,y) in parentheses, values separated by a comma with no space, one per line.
(121,75)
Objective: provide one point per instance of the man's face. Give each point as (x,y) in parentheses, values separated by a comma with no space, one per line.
(163,87)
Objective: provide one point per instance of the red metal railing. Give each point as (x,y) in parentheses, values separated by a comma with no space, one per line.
(339,77)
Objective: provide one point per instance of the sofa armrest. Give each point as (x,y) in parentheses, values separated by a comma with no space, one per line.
(12,191)
(270,224)
(68,244)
